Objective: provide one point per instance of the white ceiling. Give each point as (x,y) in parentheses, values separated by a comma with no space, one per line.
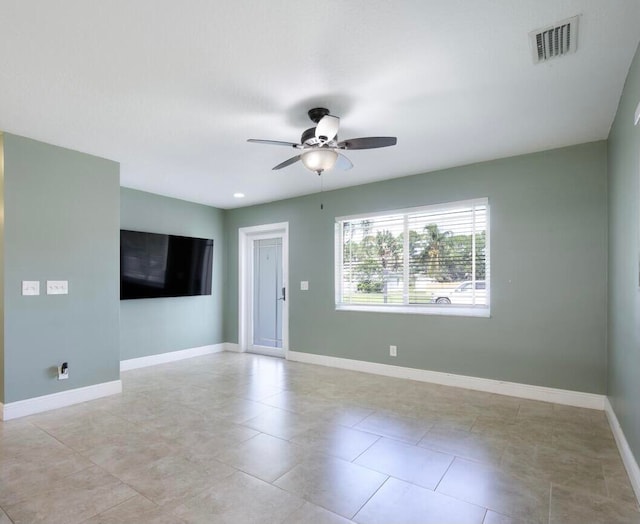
(172,90)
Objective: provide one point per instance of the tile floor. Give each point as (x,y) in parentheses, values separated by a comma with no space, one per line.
(241,439)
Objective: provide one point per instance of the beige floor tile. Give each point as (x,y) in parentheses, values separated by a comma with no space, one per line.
(208,449)
(238,410)
(20,479)
(193,397)
(192,428)
(168,429)
(137,509)
(617,481)
(582,442)
(484,485)
(30,446)
(407,462)
(16,428)
(282,423)
(336,440)
(468,445)
(346,415)
(239,498)
(308,403)
(72,499)
(583,415)
(572,507)
(334,484)
(533,409)
(451,420)
(530,430)
(311,514)
(173,479)
(4,518)
(88,430)
(118,455)
(144,408)
(496,518)
(393,426)
(581,472)
(253,387)
(403,503)
(264,456)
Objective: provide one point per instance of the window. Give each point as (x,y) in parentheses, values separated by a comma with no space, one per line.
(432,260)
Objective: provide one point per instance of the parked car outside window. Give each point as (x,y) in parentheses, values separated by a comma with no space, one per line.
(463,294)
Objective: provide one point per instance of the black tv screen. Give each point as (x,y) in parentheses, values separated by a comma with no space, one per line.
(153,265)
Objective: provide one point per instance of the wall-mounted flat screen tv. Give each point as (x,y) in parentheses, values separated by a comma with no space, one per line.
(153,265)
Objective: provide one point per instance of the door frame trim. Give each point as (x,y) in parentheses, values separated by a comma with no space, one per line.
(246,236)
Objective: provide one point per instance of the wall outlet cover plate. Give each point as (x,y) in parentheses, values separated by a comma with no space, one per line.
(30,287)
(57,287)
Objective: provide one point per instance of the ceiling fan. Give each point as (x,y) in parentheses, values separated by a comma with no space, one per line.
(320,147)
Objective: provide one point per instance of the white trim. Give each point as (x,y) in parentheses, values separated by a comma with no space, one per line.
(1,411)
(629,461)
(246,236)
(22,408)
(451,310)
(512,389)
(171,356)
(233,347)
(268,352)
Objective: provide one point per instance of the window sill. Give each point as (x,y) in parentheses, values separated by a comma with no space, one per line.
(449,310)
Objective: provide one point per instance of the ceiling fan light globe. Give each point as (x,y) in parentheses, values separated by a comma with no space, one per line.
(319,159)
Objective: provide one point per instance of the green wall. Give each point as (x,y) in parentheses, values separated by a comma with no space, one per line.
(624,254)
(152,326)
(548,261)
(61,216)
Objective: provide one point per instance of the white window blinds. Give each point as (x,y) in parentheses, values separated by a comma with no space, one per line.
(436,256)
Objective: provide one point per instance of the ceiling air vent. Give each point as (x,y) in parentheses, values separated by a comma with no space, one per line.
(557,40)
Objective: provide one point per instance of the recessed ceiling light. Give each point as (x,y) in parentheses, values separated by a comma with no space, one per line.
(238,195)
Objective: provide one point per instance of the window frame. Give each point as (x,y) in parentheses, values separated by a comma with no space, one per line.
(480,310)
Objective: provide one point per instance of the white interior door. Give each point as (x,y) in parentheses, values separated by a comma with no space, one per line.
(263,290)
(268,294)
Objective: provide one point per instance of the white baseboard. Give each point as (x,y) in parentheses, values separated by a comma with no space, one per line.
(512,389)
(230,346)
(630,463)
(171,356)
(30,406)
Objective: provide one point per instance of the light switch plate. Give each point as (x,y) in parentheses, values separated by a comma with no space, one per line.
(30,287)
(304,285)
(57,287)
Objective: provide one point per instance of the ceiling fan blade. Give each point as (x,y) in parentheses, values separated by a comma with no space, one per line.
(272,142)
(342,162)
(286,163)
(327,128)
(370,142)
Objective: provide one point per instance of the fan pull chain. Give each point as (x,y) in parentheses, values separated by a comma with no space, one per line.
(321,189)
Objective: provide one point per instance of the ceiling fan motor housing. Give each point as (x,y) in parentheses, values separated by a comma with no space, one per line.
(317,113)
(309,137)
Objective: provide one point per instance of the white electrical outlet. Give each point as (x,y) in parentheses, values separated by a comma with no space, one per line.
(304,285)
(393,351)
(57,287)
(30,287)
